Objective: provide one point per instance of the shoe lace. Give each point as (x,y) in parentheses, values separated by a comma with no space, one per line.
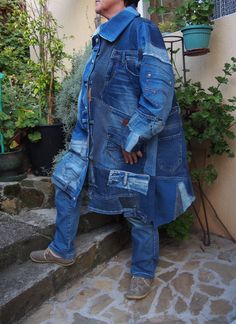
(137,281)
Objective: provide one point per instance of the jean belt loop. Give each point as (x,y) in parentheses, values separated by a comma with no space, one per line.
(125,179)
(123,57)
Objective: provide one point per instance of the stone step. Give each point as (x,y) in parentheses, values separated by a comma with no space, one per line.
(18,239)
(33,230)
(25,286)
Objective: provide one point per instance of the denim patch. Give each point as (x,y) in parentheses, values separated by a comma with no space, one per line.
(186,199)
(157,52)
(129,180)
(79,146)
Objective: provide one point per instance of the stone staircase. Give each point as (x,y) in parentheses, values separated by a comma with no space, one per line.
(24,285)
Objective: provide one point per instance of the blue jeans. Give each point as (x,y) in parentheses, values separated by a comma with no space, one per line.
(145,238)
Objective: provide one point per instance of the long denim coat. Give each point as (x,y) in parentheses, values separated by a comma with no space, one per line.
(127,101)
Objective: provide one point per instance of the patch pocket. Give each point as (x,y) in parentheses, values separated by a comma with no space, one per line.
(114,62)
(132,65)
(70,172)
(129,181)
(170,155)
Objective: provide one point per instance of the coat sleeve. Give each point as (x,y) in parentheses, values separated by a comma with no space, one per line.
(157,88)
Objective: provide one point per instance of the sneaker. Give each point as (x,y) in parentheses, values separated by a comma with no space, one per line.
(139,288)
(48,256)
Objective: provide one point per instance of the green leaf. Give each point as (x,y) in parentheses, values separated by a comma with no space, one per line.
(221,79)
(34,137)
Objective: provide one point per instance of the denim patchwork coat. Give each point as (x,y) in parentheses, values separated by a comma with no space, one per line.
(127,100)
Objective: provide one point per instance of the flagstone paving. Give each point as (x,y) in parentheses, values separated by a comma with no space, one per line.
(194,284)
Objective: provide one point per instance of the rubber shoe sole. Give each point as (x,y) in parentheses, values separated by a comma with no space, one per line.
(135,297)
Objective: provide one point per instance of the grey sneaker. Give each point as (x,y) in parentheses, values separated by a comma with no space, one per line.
(139,288)
(48,256)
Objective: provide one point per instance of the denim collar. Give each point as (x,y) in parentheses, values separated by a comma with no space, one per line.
(112,29)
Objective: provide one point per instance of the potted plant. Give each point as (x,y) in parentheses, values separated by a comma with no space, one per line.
(18,117)
(195,19)
(40,32)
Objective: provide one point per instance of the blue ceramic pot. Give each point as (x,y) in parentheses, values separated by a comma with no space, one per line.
(196,36)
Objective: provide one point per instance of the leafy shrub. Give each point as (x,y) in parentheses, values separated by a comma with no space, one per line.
(208,118)
(181,227)
(20,115)
(67,99)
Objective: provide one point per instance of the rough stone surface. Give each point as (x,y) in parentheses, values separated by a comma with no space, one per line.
(100,303)
(165,299)
(164,264)
(103,284)
(14,240)
(229,255)
(183,284)
(118,316)
(32,192)
(226,271)
(197,303)
(11,206)
(191,265)
(113,273)
(123,283)
(167,276)
(221,307)
(199,292)
(42,315)
(180,305)
(12,190)
(164,319)
(31,198)
(79,319)
(212,290)
(205,275)
(82,298)
(143,306)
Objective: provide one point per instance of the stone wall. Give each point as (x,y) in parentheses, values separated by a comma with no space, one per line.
(32,192)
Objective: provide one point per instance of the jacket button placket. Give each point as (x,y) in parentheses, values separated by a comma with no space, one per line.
(89,95)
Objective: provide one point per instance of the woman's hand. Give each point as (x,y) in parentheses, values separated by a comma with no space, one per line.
(132,157)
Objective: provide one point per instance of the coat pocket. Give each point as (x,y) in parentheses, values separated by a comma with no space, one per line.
(70,173)
(170,155)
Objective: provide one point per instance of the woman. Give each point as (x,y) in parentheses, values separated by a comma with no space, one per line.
(128,138)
